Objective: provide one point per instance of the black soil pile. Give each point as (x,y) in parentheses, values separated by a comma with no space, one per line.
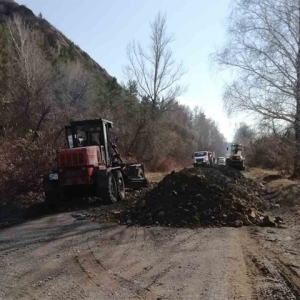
(208,196)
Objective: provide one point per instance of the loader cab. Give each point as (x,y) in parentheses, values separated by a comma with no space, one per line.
(236,149)
(91,133)
(235,159)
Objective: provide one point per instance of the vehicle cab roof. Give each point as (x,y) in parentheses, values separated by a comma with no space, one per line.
(92,122)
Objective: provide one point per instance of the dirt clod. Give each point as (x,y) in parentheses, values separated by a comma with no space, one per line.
(269,221)
(238,223)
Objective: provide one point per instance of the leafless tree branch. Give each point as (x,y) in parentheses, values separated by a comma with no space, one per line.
(155,70)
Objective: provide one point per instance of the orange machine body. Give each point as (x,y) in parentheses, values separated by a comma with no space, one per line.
(78,166)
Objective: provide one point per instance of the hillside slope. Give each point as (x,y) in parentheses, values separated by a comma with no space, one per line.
(55,39)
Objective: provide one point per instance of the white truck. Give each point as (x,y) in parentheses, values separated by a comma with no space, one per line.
(203,158)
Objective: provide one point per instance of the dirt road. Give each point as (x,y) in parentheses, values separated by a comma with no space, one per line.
(57,257)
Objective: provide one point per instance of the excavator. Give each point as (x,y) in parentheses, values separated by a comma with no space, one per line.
(91,165)
(235,159)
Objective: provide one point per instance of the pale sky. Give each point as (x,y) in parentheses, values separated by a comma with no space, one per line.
(103,29)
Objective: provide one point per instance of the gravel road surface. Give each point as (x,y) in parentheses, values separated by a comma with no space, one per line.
(57,257)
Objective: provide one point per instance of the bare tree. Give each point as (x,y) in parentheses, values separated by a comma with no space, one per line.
(72,95)
(29,75)
(264,51)
(154,68)
(244,134)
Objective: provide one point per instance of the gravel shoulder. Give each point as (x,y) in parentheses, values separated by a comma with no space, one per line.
(277,250)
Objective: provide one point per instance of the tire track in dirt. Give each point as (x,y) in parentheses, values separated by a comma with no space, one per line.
(106,280)
(117,266)
(136,269)
(105,271)
(91,261)
(156,267)
(272,278)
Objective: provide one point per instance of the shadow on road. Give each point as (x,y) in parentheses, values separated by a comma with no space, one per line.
(14,216)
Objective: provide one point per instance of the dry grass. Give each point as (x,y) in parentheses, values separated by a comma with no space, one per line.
(277,184)
(287,192)
(259,173)
(155,177)
(158,176)
(282,183)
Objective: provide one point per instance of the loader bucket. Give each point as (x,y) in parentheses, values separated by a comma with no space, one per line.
(135,176)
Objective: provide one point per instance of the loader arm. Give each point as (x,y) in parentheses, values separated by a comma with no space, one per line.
(133,173)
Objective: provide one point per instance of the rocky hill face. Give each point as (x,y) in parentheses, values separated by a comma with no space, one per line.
(58,43)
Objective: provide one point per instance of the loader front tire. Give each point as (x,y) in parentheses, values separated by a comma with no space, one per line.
(109,193)
(243,166)
(140,173)
(120,185)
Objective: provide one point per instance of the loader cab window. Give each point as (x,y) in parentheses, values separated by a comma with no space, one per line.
(94,139)
(70,141)
(236,148)
(69,137)
(81,138)
(87,135)
(107,145)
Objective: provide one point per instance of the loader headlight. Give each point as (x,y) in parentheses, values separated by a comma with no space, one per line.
(53,176)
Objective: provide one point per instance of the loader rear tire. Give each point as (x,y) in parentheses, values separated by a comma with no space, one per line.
(120,185)
(109,193)
(51,198)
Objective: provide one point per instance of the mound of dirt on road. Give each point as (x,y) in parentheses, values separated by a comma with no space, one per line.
(210,196)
